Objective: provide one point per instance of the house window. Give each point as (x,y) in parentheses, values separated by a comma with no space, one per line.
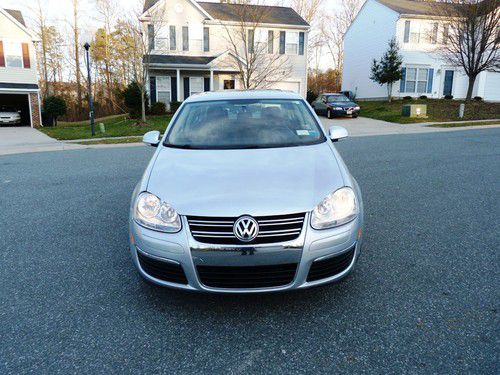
(196,85)
(173,38)
(185,38)
(161,39)
(415,34)
(292,43)
(229,84)
(151,37)
(13,54)
(163,88)
(206,39)
(416,80)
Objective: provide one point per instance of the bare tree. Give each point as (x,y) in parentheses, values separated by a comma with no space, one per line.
(249,48)
(472,37)
(333,29)
(42,30)
(76,45)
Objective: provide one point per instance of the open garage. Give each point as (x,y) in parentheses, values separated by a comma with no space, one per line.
(17,102)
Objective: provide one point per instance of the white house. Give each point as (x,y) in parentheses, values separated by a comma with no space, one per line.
(190,52)
(18,67)
(419,34)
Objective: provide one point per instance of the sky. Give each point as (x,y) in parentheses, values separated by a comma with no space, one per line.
(60,12)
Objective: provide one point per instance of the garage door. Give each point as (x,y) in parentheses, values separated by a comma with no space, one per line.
(289,86)
(17,102)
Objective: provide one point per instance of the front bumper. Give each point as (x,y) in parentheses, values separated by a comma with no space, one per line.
(10,121)
(181,253)
(345,112)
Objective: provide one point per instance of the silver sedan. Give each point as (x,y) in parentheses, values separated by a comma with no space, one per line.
(245,193)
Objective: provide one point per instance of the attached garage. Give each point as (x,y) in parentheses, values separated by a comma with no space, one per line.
(17,103)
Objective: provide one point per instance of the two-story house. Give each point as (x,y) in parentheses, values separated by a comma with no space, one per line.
(420,34)
(190,47)
(18,68)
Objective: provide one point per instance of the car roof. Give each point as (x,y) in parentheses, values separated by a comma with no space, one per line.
(243,94)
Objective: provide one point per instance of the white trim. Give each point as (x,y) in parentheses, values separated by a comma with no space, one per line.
(261,25)
(21,91)
(31,110)
(194,3)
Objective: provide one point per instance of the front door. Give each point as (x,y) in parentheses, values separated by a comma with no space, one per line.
(448,82)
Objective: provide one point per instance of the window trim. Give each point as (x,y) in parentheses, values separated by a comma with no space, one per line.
(416,80)
(191,92)
(158,90)
(295,44)
(9,44)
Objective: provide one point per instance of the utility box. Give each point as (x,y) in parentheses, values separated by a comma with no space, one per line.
(415,110)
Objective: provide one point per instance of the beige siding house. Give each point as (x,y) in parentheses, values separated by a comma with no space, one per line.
(18,69)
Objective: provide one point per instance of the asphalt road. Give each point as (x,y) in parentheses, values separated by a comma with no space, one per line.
(424,297)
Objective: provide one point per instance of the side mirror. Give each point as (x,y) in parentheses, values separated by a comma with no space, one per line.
(336,133)
(152,138)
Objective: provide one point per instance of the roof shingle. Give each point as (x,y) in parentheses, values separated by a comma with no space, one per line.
(419,8)
(17,15)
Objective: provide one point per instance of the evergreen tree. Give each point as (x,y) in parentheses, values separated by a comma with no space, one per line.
(388,69)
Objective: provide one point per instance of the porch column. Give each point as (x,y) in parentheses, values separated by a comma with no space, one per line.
(211,80)
(179,85)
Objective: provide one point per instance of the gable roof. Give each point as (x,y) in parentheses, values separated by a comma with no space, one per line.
(414,7)
(18,16)
(232,12)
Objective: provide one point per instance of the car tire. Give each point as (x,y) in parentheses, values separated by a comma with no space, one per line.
(329,114)
(355,116)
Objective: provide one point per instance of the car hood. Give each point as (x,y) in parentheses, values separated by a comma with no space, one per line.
(9,114)
(256,182)
(342,104)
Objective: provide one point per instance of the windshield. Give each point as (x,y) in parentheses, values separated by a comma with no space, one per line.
(5,108)
(337,98)
(234,124)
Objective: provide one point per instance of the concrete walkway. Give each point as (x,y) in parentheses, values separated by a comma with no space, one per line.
(23,139)
(362,126)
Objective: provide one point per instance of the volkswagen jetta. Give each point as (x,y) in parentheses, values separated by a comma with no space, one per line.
(245,193)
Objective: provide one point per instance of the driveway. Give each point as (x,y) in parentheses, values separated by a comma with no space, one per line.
(23,139)
(363,126)
(423,299)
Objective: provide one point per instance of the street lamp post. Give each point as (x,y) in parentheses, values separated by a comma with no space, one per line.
(91,101)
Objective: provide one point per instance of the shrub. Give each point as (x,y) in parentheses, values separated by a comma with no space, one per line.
(311,96)
(407,98)
(423,97)
(174,106)
(158,108)
(132,99)
(448,96)
(478,98)
(55,106)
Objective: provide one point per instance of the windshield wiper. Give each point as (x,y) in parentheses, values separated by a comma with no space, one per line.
(184,146)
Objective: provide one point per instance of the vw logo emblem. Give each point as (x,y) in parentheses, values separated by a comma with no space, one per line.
(246,228)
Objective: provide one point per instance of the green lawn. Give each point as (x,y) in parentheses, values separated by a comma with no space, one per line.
(437,110)
(112,141)
(116,126)
(460,124)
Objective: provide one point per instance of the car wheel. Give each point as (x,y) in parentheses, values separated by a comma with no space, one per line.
(329,114)
(354,116)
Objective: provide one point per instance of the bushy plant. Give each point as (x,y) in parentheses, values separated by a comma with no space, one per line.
(158,109)
(311,96)
(448,96)
(174,106)
(423,97)
(132,99)
(55,106)
(478,98)
(407,98)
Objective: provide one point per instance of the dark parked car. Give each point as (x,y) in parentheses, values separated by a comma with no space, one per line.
(335,105)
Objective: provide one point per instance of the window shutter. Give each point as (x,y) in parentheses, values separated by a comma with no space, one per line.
(206,39)
(402,86)
(152,89)
(282,42)
(26,56)
(206,84)
(173,88)
(173,38)
(270,41)
(185,38)
(301,43)
(186,88)
(407,32)
(250,41)
(2,56)
(429,81)
(151,37)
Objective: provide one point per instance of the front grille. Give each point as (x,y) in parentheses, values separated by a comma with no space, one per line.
(165,271)
(219,230)
(325,268)
(247,276)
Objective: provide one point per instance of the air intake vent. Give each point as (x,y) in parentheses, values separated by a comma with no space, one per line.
(247,277)
(219,230)
(165,271)
(328,267)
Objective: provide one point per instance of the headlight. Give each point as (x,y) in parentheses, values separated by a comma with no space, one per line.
(336,209)
(152,213)
(357,108)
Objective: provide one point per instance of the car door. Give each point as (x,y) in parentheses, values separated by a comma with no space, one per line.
(316,104)
(320,106)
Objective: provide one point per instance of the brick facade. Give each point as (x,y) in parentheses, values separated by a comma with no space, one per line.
(35,109)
